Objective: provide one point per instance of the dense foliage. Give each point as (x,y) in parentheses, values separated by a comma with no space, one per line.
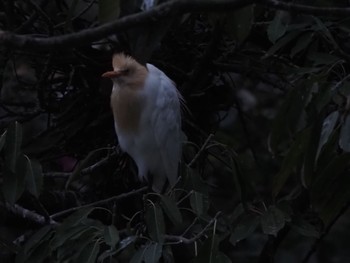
(265,167)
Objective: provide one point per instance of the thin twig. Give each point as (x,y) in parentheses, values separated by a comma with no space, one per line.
(101,202)
(181,239)
(201,150)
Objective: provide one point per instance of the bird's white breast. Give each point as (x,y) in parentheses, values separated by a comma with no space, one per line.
(156,146)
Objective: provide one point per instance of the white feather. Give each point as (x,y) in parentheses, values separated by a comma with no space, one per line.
(156,147)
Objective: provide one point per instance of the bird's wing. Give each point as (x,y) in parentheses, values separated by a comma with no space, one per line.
(166,122)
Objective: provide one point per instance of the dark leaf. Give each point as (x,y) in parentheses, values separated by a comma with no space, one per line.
(34,177)
(327,128)
(239,23)
(13,145)
(155,222)
(208,251)
(278,26)
(291,161)
(344,138)
(170,208)
(282,42)
(109,10)
(126,242)
(245,227)
(14,183)
(35,240)
(153,253)
(199,203)
(305,228)
(89,253)
(2,140)
(222,258)
(309,164)
(272,221)
(111,236)
(139,255)
(302,43)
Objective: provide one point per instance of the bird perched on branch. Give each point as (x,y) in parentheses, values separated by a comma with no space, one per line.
(147,118)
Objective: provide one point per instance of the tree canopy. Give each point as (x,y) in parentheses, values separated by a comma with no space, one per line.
(265,166)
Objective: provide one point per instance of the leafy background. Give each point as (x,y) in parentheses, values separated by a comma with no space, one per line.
(265,168)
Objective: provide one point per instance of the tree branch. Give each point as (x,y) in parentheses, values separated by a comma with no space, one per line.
(89,35)
(27,214)
(181,239)
(155,14)
(101,202)
(305,9)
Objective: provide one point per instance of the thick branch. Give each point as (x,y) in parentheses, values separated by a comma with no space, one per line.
(30,215)
(305,9)
(88,35)
(155,14)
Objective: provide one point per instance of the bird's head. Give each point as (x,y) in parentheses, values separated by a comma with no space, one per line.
(127,72)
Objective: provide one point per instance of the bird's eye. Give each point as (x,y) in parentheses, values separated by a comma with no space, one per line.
(125,71)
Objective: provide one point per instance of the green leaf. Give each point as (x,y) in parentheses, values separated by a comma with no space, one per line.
(153,253)
(291,161)
(282,42)
(198,203)
(36,247)
(40,254)
(278,26)
(89,253)
(43,234)
(222,258)
(245,227)
(2,140)
(239,22)
(126,242)
(290,117)
(109,10)
(14,183)
(72,227)
(107,254)
(302,43)
(138,256)
(76,218)
(155,222)
(335,167)
(111,235)
(13,145)
(319,58)
(208,251)
(329,193)
(34,177)
(73,246)
(327,129)
(305,228)
(344,139)
(170,208)
(309,164)
(272,221)
(63,234)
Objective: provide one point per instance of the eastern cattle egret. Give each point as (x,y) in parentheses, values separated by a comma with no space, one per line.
(147,118)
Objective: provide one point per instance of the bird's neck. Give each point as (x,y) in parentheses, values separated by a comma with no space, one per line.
(127,105)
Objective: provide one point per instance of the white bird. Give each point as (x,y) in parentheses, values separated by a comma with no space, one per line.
(147,117)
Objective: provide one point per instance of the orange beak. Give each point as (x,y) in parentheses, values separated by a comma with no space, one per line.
(111,74)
